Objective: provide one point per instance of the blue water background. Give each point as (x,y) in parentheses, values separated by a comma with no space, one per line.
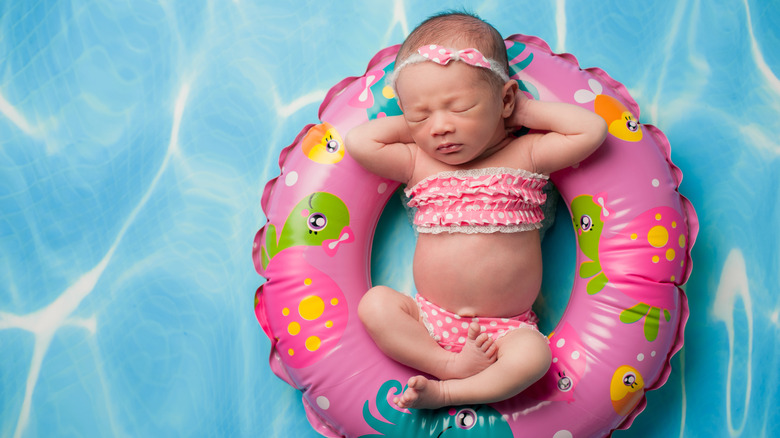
(136,137)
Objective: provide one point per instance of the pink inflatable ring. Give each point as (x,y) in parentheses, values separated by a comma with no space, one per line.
(625,317)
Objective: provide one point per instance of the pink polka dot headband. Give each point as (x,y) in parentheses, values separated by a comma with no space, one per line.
(442,56)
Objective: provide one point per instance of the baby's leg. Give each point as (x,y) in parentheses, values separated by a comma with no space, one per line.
(523,358)
(393,321)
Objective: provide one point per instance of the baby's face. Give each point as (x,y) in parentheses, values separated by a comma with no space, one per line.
(453,114)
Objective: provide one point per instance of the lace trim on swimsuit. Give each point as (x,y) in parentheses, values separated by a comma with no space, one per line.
(474,173)
(477,229)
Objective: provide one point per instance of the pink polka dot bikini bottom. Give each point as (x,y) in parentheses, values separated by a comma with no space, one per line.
(450,330)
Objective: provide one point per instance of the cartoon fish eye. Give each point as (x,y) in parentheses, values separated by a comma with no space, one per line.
(317,222)
(332,146)
(466,419)
(632,125)
(586,223)
(564,384)
(629,379)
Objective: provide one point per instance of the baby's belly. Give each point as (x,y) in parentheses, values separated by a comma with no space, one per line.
(479,274)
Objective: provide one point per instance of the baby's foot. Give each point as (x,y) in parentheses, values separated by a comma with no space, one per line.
(422,393)
(478,353)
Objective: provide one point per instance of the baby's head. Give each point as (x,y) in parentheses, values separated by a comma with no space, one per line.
(454,89)
(459,30)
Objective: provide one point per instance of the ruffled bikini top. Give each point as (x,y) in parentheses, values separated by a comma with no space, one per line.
(490,200)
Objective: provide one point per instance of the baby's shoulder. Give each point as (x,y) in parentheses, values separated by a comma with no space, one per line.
(515,154)
(425,167)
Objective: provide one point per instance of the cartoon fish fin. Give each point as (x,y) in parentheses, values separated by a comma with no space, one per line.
(651,315)
(597,283)
(652,322)
(589,269)
(271,244)
(634,314)
(264,260)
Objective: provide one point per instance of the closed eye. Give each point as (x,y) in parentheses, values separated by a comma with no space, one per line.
(462,109)
(415,118)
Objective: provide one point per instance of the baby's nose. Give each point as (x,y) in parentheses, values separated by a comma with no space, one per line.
(441,124)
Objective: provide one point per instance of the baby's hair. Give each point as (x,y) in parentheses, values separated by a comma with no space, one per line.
(458,30)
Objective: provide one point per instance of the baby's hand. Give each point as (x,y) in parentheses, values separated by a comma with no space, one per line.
(515,121)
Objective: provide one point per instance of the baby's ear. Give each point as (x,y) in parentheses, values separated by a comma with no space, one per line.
(508,96)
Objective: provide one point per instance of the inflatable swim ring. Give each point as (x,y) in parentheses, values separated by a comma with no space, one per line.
(625,317)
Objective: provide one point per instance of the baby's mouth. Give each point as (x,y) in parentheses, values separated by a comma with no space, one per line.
(448,147)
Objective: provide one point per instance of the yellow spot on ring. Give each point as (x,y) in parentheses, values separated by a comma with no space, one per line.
(388,92)
(658,216)
(656,259)
(293,328)
(673,278)
(313,343)
(311,307)
(674,224)
(658,236)
(681,241)
(291,352)
(307,281)
(334,301)
(329,324)
(670,254)
(285,311)
(633,236)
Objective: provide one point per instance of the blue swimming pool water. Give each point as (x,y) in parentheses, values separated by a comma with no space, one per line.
(136,138)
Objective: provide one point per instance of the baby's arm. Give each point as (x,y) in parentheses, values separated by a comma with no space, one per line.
(572,133)
(384,147)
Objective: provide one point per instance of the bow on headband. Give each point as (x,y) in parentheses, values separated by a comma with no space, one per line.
(442,55)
